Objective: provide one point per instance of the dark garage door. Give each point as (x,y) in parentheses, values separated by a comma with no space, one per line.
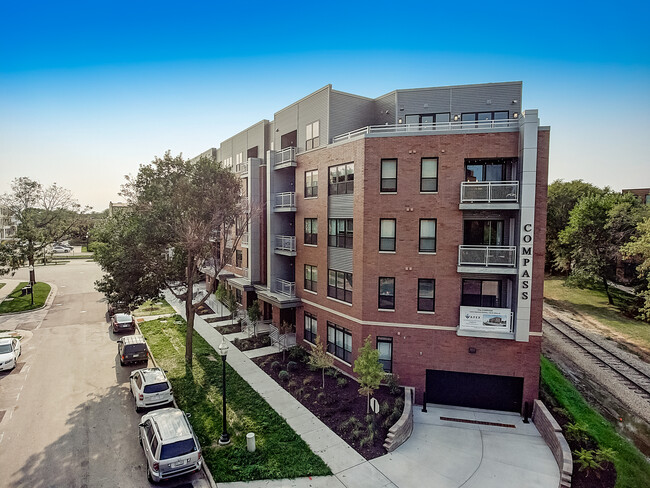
(474,390)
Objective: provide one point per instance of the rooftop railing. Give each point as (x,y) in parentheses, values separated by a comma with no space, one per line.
(489,191)
(486,125)
(487,256)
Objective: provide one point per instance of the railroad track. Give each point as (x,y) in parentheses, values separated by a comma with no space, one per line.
(634,378)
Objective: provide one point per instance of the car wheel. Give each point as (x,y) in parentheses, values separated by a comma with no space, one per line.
(121,362)
(149,477)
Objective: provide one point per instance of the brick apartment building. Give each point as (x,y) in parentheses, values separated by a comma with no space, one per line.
(416,218)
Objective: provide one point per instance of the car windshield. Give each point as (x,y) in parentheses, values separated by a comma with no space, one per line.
(176,449)
(4,348)
(156,387)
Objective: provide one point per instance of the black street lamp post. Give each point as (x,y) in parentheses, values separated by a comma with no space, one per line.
(224,440)
(32,281)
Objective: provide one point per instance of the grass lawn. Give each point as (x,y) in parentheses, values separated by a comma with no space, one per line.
(20,303)
(593,302)
(151,307)
(281,453)
(632,468)
(2,284)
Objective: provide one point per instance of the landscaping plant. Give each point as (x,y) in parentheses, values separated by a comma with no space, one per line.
(319,358)
(369,370)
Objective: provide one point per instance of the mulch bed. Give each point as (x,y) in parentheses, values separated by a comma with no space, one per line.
(338,405)
(587,478)
(254,342)
(203,309)
(229,329)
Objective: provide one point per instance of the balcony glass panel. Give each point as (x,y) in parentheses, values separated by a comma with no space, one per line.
(487,256)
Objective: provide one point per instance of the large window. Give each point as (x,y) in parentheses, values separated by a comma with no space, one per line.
(310,328)
(340,233)
(311,277)
(341,179)
(476,119)
(429,175)
(427,235)
(388,175)
(312,135)
(483,232)
(385,348)
(481,293)
(387,234)
(311,183)
(427,119)
(239,256)
(426,295)
(386,293)
(311,231)
(487,169)
(339,342)
(339,285)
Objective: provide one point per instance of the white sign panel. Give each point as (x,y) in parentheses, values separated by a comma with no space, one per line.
(487,319)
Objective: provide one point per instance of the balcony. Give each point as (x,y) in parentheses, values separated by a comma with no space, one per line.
(285,245)
(488,322)
(285,202)
(285,158)
(489,194)
(244,240)
(287,288)
(242,169)
(487,259)
(456,126)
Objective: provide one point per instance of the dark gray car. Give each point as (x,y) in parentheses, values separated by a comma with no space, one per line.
(132,349)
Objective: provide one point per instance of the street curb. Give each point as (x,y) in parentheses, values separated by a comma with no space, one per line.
(45,305)
(204,466)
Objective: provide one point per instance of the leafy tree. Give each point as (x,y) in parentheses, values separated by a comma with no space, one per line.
(231,304)
(369,370)
(562,197)
(598,226)
(178,213)
(639,245)
(43,214)
(319,358)
(254,315)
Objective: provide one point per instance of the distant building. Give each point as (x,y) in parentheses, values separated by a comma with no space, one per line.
(642,194)
(8,224)
(115,207)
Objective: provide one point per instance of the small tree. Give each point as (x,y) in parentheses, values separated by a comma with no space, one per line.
(319,358)
(254,315)
(220,294)
(232,305)
(369,370)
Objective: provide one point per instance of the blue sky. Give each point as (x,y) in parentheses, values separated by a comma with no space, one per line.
(89,90)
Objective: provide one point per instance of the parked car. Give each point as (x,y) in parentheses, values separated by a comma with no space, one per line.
(58,249)
(123,322)
(150,388)
(9,352)
(64,244)
(132,349)
(169,444)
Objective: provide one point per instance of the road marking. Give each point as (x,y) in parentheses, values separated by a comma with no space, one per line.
(2,434)
(83,311)
(18,396)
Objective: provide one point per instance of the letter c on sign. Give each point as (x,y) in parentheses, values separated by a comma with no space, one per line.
(528,227)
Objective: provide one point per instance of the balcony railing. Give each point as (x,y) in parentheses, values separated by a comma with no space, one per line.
(284,287)
(285,156)
(486,319)
(487,256)
(285,243)
(241,168)
(489,191)
(486,125)
(286,200)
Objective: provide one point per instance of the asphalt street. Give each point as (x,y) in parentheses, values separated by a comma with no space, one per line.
(67,417)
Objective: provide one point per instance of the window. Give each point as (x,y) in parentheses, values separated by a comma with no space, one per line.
(388,175)
(339,285)
(341,179)
(311,277)
(387,234)
(339,342)
(476,119)
(252,152)
(238,258)
(340,232)
(239,296)
(239,158)
(227,162)
(312,135)
(429,175)
(426,295)
(310,328)
(385,348)
(487,169)
(428,119)
(427,235)
(481,293)
(386,293)
(311,184)
(311,231)
(483,233)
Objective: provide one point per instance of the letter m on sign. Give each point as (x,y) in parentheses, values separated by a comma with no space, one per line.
(526,250)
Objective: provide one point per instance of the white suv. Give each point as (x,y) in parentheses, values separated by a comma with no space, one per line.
(169,444)
(150,388)
(9,352)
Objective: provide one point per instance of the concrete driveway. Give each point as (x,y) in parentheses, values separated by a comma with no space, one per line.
(469,452)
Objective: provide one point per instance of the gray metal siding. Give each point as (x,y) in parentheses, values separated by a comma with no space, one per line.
(340,259)
(296,117)
(385,109)
(340,206)
(349,112)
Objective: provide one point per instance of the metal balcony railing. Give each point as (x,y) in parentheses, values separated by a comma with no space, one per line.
(285,243)
(241,168)
(487,256)
(284,287)
(285,156)
(285,200)
(486,125)
(489,191)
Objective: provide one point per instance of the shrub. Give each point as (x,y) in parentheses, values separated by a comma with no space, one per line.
(307,381)
(297,353)
(283,375)
(321,396)
(292,366)
(292,383)
(587,459)
(368,438)
(384,408)
(341,382)
(332,372)
(576,432)
(300,392)
(275,365)
(392,380)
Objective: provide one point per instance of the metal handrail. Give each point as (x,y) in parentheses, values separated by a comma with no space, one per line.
(489,191)
(285,287)
(285,243)
(241,167)
(487,255)
(431,126)
(286,155)
(285,200)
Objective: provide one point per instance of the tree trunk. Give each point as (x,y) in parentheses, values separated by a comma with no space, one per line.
(323,371)
(368,405)
(189,312)
(609,297)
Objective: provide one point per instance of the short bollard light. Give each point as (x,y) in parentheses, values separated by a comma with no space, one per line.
(224,440)
(250,442)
